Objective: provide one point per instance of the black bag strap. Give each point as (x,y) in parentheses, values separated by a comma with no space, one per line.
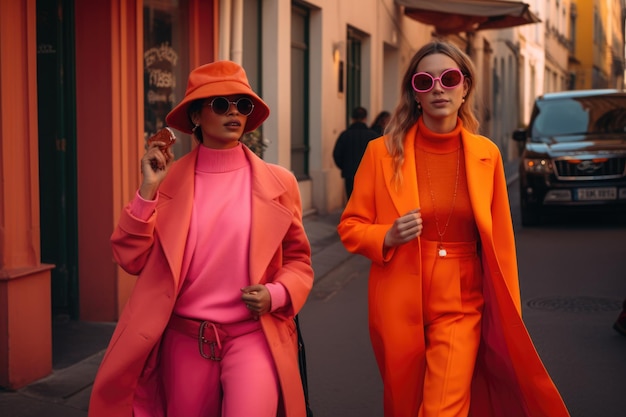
(302,364)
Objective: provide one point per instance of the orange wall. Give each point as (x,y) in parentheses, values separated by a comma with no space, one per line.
(109,82)
(19,208)
(26,334)
(25,322)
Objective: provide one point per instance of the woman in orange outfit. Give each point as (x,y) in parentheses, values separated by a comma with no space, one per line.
(430,209)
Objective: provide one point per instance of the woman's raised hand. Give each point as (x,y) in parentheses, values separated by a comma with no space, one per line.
(155,165)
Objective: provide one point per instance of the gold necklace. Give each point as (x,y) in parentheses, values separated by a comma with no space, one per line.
(442,251)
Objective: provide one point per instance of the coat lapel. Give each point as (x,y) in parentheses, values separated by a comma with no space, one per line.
(479,172)
(270,218)
(174,214)
(405,197)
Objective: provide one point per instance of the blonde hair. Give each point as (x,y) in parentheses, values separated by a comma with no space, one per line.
(407,111)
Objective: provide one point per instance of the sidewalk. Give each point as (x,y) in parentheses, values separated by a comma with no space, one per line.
(79,346)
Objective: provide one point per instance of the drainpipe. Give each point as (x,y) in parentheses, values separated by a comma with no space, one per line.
(236,47)
(224,30)
(231,30)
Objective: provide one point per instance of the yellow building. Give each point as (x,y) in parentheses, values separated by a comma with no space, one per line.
(597,44)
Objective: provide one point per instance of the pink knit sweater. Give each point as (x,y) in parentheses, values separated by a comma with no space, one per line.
(216,258)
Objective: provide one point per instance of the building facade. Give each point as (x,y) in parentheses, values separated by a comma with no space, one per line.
(532,49)
(83,84)
(597,44)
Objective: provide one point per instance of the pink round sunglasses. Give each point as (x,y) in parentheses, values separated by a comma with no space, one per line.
(423,82)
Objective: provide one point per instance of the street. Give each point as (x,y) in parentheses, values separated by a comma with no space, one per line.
(573,281)
(572,278)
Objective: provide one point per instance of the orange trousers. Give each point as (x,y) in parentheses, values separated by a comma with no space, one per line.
(426,358)
(452,306)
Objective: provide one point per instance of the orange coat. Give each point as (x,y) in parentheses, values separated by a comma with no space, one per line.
(510,379)
(153,250)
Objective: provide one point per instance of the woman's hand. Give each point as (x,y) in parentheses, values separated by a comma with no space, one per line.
(404,229)
(258,299)
(155,165)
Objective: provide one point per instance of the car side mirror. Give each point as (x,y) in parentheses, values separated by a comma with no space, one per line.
(519,135)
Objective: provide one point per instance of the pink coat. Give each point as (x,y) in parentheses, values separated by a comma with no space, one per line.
(279,252)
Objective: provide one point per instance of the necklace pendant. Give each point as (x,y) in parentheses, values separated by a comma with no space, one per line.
(442,252)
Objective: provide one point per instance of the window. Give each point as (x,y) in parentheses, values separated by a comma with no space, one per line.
(165,61)
(353,90)
(300,92)
(572,29)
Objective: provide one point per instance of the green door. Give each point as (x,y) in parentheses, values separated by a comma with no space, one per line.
(57,151)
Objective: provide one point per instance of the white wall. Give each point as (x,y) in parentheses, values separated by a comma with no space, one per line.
(390,42)
(385,48)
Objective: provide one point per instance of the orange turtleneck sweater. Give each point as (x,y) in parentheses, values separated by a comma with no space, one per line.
(440,170)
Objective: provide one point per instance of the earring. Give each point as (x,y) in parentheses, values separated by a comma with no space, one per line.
(419,106)
(463,101)
(195,127)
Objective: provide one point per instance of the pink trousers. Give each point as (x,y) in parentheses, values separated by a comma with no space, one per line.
(453,304)
(241,380)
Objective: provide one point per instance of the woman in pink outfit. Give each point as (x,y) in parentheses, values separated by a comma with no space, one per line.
(223,263)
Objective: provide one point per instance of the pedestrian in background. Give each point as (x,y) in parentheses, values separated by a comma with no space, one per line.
(380,122)
(430,209)
(224,265)
(351,145)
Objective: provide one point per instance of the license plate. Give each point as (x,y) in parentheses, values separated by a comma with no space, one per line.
(606,193)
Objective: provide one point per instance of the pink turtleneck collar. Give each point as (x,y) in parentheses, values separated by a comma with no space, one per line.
(221,160)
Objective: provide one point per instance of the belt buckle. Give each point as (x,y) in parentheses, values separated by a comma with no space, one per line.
(202,340)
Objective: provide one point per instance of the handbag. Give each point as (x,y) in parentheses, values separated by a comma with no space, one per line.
(302,365)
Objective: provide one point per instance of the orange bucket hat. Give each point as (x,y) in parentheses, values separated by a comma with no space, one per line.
(220,78)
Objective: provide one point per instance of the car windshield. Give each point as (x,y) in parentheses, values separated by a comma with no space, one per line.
(578,116)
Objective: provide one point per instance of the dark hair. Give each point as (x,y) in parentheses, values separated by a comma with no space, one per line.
(196,107)
(359,113)
(378,121)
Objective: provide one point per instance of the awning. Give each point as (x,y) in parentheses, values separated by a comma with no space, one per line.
(453,16)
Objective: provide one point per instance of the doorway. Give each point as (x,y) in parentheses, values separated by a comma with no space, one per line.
(57,151)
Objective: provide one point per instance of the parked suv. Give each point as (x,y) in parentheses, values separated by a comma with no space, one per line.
(574,153)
